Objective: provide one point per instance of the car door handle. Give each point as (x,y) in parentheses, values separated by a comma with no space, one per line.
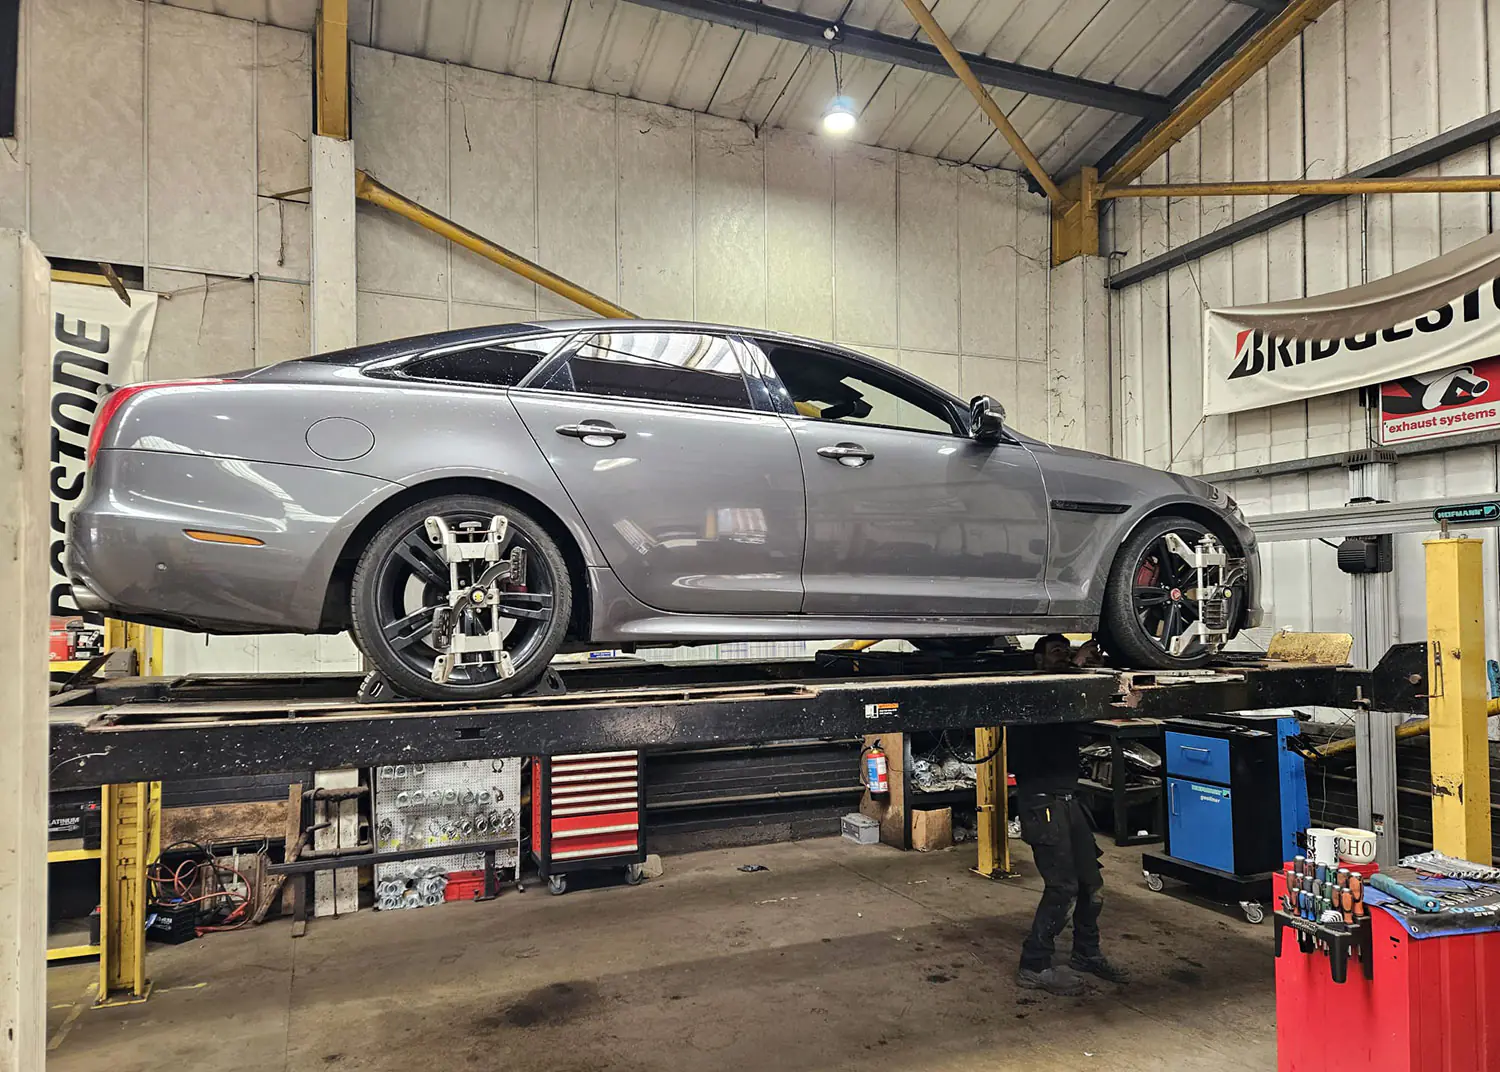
(594,433)
(851,454)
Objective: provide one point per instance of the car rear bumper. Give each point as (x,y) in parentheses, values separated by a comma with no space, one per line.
(129,555)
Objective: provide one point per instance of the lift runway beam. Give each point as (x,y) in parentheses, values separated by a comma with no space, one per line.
(195,727)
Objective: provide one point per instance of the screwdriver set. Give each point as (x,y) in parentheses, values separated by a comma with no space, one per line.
(1325,905)
(1323,894)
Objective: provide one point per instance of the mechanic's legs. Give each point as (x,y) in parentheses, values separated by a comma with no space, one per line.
(1044,826)
(1087,955)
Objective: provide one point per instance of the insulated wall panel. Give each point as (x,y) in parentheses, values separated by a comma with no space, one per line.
(201,142)
(655,209)
(799,234)
(492,154)
(283,107)
(731,282)
(400,122)
(576,191)
(864,247)
(88,157)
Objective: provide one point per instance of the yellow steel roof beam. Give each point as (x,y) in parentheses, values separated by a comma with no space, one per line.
(1278,33)
(987,105)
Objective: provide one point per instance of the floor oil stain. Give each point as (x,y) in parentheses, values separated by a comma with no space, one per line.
(546,1006)
(1185,976)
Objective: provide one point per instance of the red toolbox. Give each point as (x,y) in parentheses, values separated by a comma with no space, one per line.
(586,815)
(1426,1004)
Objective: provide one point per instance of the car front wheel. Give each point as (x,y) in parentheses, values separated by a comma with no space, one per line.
(1150,599)
(401,580)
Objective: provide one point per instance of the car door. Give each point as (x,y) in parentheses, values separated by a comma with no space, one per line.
(693,495)
(906,514)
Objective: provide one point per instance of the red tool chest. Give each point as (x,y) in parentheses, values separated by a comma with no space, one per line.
(586,815)
(1433,1004)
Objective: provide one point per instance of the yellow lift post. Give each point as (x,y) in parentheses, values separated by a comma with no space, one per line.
(131,842)
(991,803)
(1458,698)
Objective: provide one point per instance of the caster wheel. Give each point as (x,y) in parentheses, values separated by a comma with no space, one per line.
(557,885)
(1254,913)
(635,874)
(1153,882)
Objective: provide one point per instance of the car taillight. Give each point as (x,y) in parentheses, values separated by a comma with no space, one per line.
(115,399)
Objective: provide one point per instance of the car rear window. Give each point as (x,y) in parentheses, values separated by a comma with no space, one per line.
(495,364)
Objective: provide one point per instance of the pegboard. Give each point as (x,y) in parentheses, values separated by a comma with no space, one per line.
(422,805)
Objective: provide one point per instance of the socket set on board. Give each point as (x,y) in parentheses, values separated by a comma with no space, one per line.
(425,805)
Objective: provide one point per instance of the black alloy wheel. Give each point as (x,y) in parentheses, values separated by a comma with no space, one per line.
(1150,598)
(401,581)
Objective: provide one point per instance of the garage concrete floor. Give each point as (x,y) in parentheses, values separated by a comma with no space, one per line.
(839,956)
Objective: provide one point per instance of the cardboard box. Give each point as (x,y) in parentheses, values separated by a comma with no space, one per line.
(931,830)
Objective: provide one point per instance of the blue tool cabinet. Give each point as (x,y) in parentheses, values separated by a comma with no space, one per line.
(1232,802)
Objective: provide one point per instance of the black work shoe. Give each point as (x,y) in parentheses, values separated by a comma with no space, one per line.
(1053,980)
(1100,966)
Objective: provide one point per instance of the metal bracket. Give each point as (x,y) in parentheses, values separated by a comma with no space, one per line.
(1210,564)
(472,600)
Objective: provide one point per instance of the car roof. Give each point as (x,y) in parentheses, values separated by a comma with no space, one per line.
(372,352)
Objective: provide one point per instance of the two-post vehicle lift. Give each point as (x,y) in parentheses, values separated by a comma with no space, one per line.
(127,734)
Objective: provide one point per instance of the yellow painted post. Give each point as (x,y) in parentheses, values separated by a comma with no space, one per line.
(131,842)
(1458,702)
(990,803)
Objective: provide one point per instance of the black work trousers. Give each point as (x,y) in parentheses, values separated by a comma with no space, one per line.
(1067,857)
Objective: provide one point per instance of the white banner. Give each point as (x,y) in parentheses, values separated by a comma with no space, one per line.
(98,342)
(1444,313)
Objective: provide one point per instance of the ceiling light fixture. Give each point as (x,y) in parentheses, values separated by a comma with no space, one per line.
(838,118)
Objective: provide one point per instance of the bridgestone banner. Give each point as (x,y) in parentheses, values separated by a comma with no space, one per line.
(1444,314)
(98,342)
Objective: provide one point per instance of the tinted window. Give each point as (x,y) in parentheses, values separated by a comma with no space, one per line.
(499,364)
(831,388)
(657,366)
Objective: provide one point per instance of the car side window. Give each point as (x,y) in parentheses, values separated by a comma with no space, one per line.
(659,366)
(497,364)
(828,387)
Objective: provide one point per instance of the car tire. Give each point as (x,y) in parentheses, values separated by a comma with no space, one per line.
(378,585)
(1123,633)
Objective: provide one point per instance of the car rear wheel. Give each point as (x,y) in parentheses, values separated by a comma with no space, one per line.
(1147,601)
(401,580)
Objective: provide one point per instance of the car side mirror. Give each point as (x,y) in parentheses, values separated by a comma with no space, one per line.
(986,419)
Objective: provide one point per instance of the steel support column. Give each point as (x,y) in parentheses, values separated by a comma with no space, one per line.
(1375,734)
(991,803)
(1458,690)
(332,73)
(130,823)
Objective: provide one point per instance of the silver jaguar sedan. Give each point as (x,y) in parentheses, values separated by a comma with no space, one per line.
(470,503)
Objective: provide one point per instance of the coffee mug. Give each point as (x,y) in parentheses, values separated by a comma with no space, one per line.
(1354,846)
(1322,846)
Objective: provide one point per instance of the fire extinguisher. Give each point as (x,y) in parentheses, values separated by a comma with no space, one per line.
(876,778)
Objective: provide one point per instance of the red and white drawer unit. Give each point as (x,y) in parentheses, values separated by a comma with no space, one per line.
(586,815)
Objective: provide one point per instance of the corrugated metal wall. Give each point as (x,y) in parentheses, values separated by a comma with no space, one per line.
(938,268)
(1370,78)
